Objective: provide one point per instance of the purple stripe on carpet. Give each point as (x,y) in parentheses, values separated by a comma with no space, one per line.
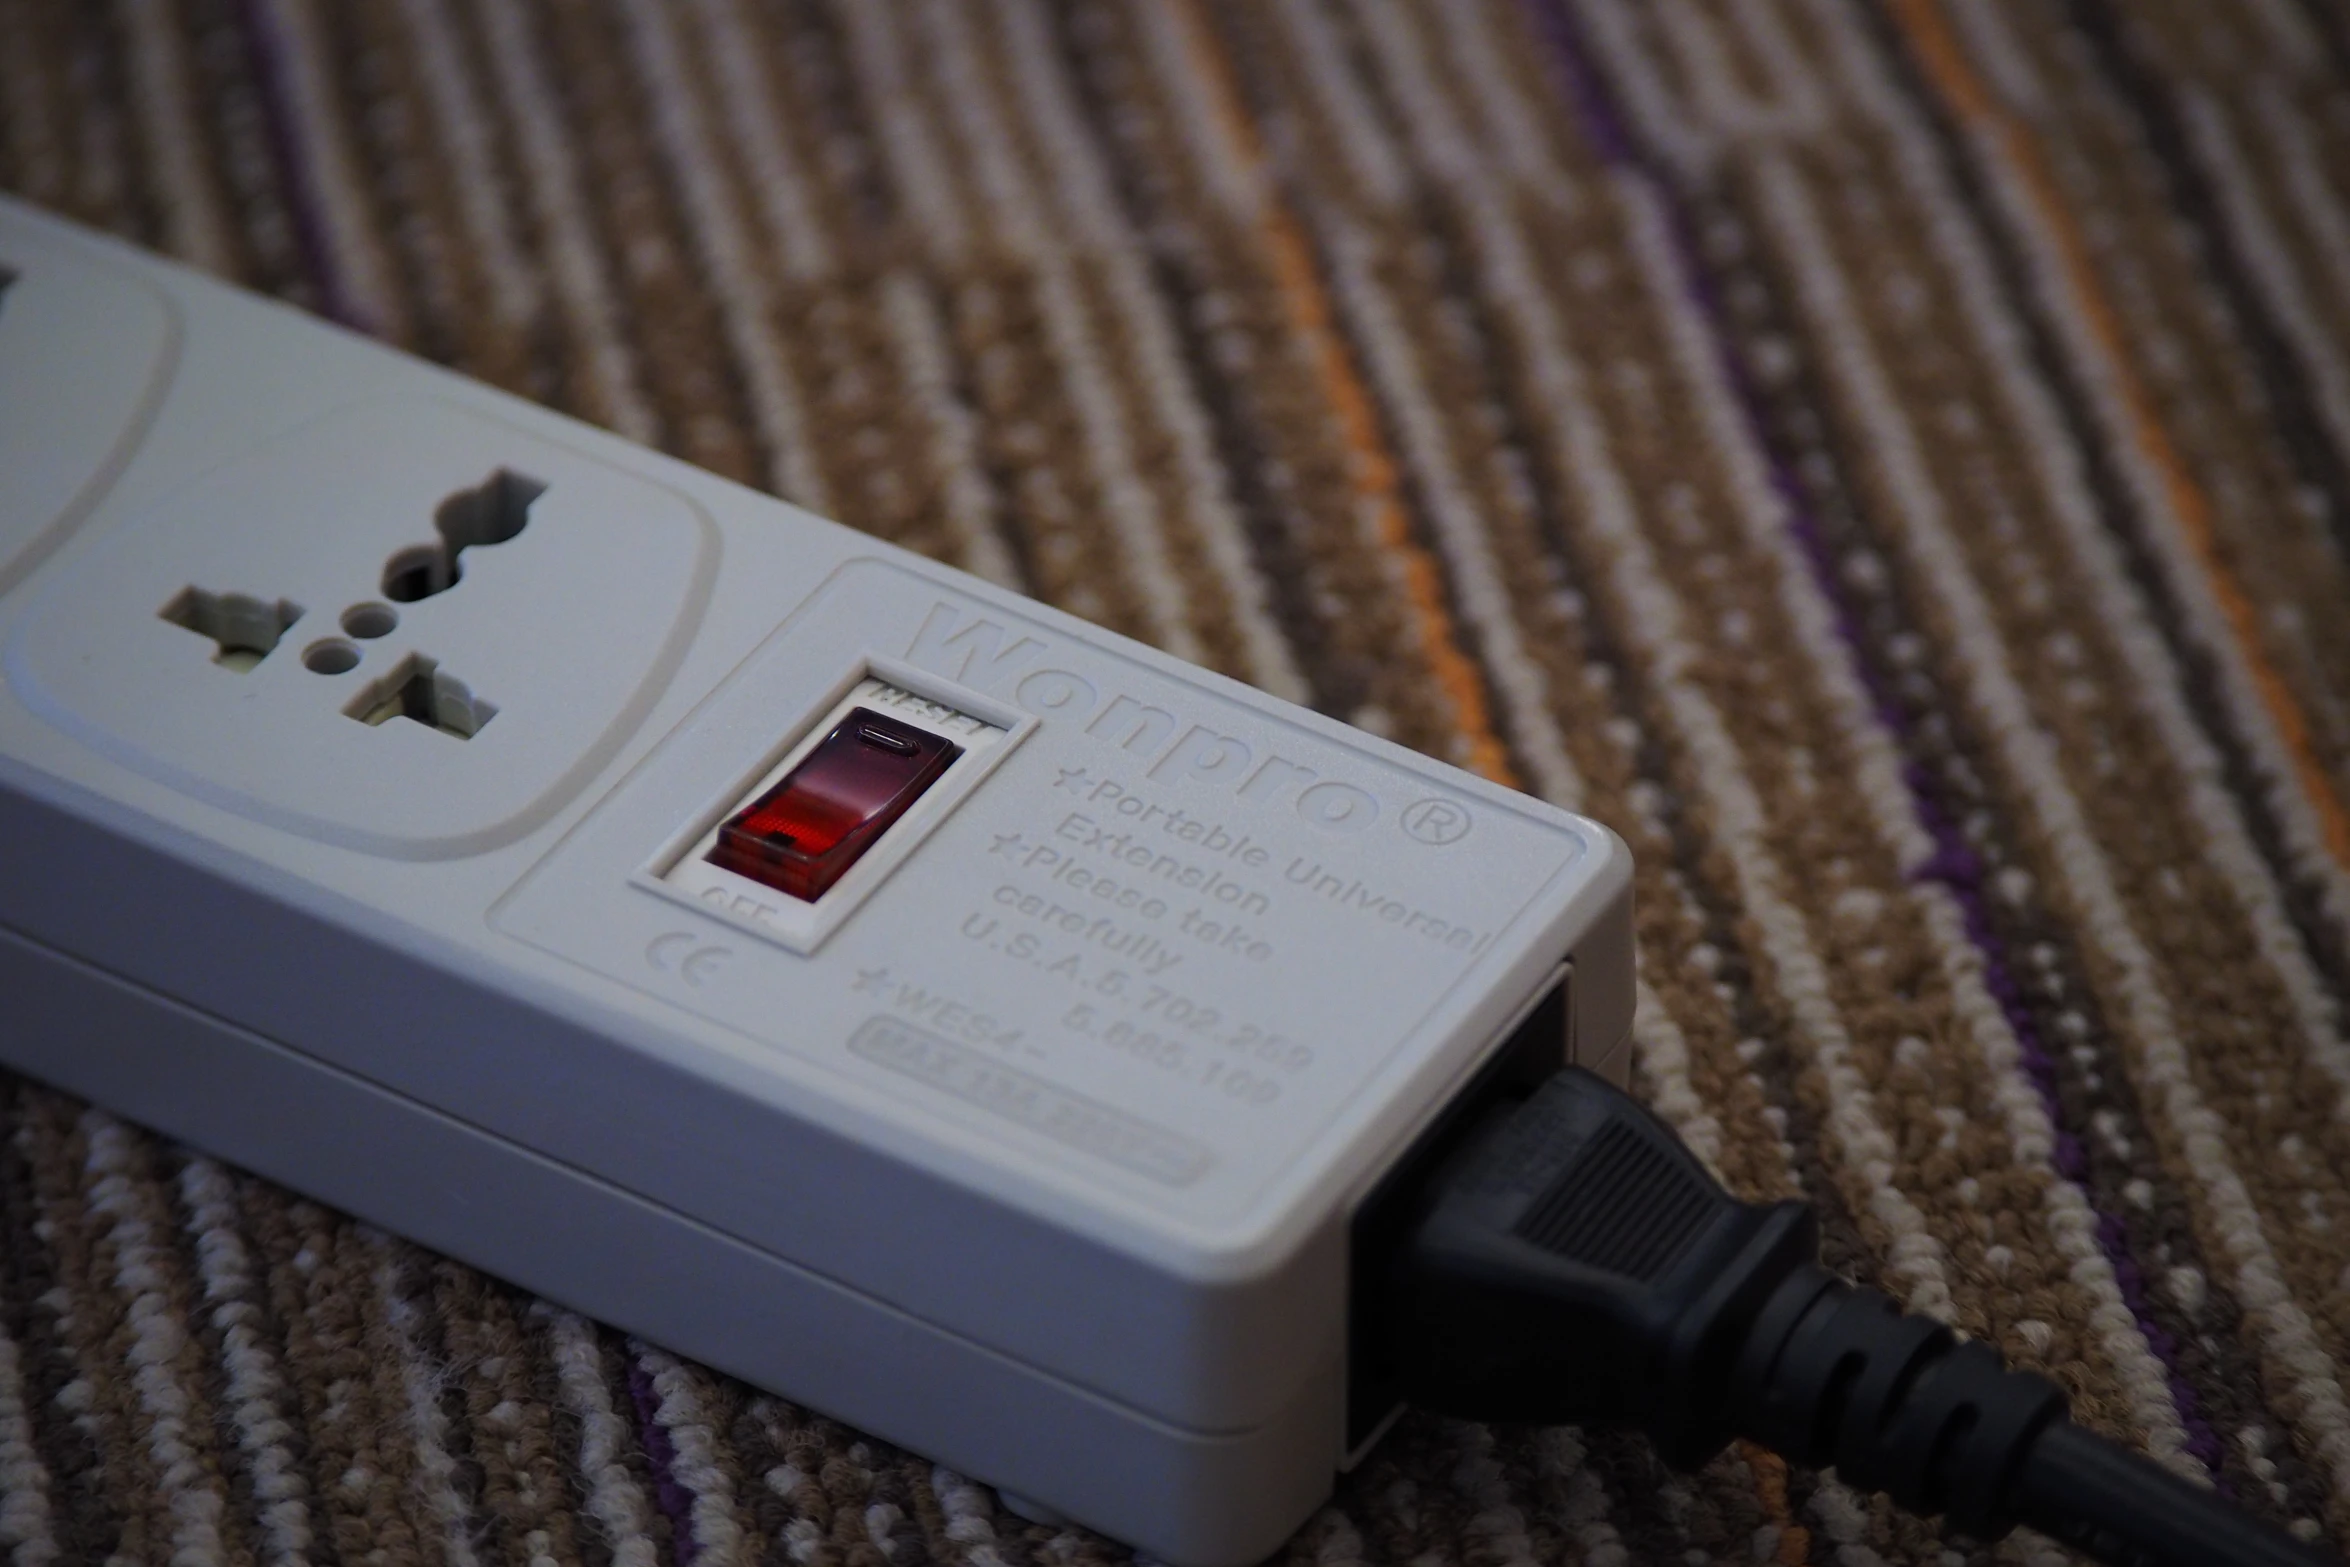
(272,69)
(676,1503)
(1953,863)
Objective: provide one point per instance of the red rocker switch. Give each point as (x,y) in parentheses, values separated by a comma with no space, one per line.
(803,835)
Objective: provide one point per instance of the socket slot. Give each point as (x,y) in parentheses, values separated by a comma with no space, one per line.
(330,656)
(490,513)
(420,690)
(371,620)
(244,629)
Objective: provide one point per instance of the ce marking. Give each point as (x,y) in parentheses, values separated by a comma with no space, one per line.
(687,956)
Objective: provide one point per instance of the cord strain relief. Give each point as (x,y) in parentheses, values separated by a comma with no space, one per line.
(1833,1373)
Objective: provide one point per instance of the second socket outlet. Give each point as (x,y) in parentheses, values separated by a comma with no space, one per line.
(561,583)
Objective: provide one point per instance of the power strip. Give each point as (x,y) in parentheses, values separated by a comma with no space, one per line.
(899,994)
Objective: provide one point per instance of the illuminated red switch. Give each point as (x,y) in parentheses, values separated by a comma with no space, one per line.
(803,835)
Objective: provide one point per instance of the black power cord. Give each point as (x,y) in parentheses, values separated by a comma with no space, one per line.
(1573,1263)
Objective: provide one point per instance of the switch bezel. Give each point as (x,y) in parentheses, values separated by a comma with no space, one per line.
(681,871)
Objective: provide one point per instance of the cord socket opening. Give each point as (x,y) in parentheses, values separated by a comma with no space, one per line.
(1532,1048)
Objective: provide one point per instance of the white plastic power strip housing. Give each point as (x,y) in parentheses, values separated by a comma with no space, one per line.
(1039,1143)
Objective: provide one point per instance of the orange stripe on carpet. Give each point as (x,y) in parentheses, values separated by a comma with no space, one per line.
(1770,1488)
(1373,469)
(1954,78)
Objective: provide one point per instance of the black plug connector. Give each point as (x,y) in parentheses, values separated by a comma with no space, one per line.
(1573,1263)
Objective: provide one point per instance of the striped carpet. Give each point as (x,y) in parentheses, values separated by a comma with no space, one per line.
(1892,462)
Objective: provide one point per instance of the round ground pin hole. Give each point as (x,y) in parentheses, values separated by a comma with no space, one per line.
(333,656)
(370,620)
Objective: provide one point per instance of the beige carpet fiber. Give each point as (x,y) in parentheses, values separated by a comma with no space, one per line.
(1890,461)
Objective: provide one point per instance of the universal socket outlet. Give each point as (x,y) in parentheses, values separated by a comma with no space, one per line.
(575,585)
(1054,1142)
